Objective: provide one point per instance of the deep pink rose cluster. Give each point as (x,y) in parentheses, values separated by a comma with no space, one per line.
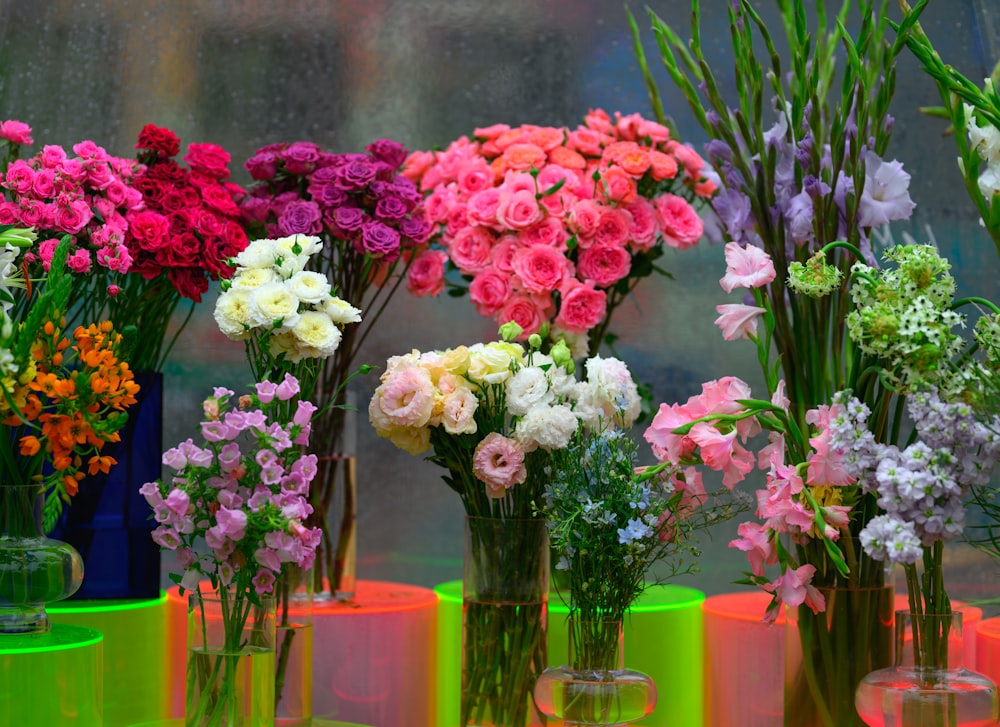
(358,199)
(87,194)
(189,226)
(552,224)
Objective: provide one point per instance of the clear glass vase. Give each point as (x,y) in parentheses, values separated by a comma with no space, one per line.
(928,685)
(293,663)
(34,569)
(504,610)
(595,688)
(828,653)
(230,660)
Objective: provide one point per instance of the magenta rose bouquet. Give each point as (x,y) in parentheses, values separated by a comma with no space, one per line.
(543,225)
(371,223)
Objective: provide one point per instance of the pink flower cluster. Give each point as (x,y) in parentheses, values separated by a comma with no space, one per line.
(747,266)
(190,224)
(87,195)
(243,493)
(357,199)
(545,221)
(713,428)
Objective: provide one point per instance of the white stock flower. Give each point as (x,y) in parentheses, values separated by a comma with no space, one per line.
(310,287)
(318,333)
(340,311)
(253,278)
(527,388)
(308,245)
(272,302)
(232,313)
(257,254)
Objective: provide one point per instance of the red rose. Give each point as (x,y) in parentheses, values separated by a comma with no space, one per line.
(208,159)
(162,142)
(168,171)
(190,282)
(150,229)
(218,199)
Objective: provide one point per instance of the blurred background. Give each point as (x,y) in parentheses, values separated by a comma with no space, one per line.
(244,73)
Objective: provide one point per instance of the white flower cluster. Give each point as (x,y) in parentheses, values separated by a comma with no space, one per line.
(8,275)
(272,293)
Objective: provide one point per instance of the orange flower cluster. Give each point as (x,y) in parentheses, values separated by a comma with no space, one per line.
(76,401)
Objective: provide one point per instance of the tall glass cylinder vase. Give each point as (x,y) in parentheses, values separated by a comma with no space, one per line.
(928,684)
(333,495)
(595,688)
(34,569)
(828,653)
(230,660)
(293,663)
(504,611)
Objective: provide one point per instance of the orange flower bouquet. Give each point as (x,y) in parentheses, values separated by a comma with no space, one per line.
(63,395)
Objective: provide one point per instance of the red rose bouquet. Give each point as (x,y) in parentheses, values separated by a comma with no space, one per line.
(372,224)
(556,226)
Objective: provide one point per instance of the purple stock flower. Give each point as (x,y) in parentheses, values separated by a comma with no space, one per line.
(301,218)
(379,239)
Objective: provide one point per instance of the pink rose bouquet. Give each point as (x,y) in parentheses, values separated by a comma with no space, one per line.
(556,226)
(371,223)
(492,415)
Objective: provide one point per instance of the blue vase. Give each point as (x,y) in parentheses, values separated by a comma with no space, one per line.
(108,521)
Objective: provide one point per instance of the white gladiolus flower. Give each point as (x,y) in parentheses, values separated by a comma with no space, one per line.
(272,302)
(340,311)
(310,287)
(232,313)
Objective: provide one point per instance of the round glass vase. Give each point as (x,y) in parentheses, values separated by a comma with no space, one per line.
(828,653)
(505,588)
(34,569)
(928,686)
(595,688)
(230,660)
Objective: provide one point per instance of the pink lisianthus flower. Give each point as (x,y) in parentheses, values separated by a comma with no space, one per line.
(746,267)
(737,320)
(498,462)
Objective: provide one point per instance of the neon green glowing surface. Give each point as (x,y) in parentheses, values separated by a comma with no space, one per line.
(52,679)
(663,638)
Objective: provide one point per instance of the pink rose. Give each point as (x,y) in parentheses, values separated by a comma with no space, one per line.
(688,158)
(20,177)
(44,184)
(526,311)
(582,307)
(426,274)
(17,132)
(74,217)
(490,290)
(588,141)
(584,218)
(540,268)
(439,203)
(471,248)
(549,232)
(79,261)
(51,156)
(617,186)
(613,227)
(483,206)
(599,120)
(746,267)
(502,257)
(474,176)
(642,228)
(519,210)
(498,462)
(604,264)
(519,182)
(680,224)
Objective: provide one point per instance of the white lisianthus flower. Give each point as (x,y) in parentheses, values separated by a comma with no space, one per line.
(318,333)
(273,302)
(252,278)
(548,427)
(527,388)
(613,391)
(257,254)
(340,311)
(232,313)
(310,287)
(458,415)
(491,364)
(298,245)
